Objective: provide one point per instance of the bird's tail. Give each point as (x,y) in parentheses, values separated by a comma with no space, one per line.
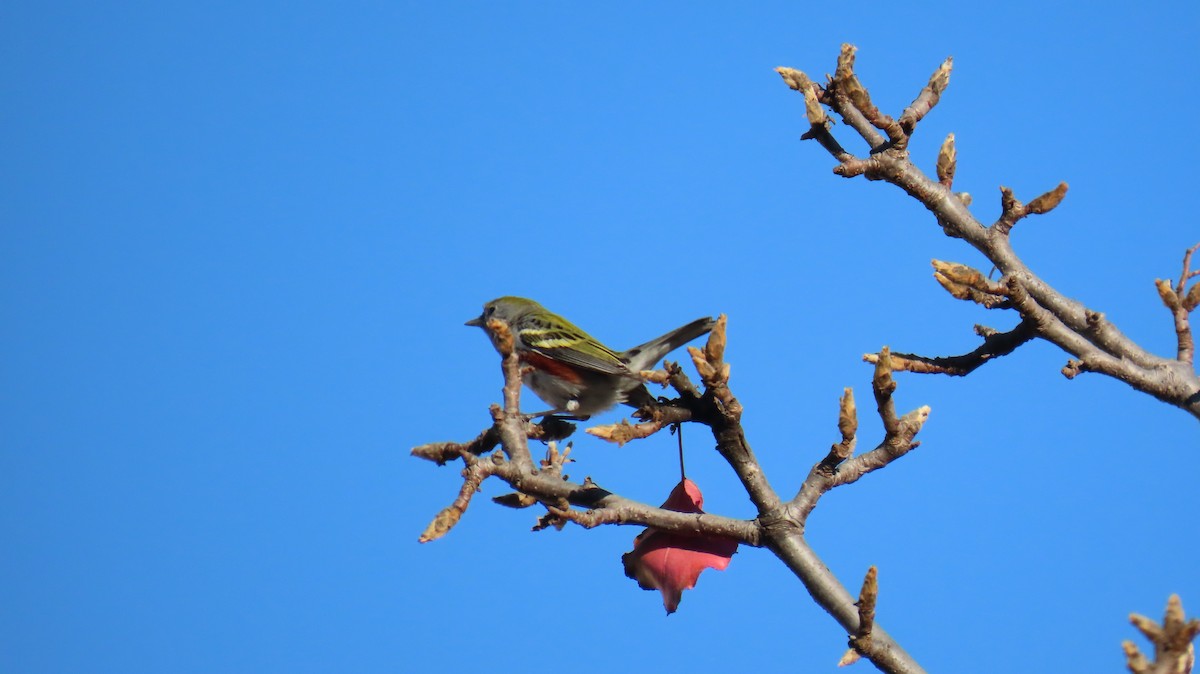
(645,356)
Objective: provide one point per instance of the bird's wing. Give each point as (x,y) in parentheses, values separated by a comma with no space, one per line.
(573,347)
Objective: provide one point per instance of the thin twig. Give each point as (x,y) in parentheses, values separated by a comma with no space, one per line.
(995,345)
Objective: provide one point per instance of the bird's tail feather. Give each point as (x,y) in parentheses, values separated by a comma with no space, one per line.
(645,356)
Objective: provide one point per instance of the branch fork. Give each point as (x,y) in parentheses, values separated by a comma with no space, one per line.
(779,526)
(1092,342)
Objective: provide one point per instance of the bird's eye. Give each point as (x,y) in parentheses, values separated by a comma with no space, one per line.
(489,311)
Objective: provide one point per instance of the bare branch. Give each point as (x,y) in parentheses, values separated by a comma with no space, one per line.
(840,96)
(680,382)
(549,429)
(445,520)
(784,529)
(508,422)
(847,81)
(818,121)
(1174,652)
(723,414)
(782,524)
(825,589)
(1095,344)
(899,439)
(779,526)
(1092,341)
(929,97)
(442,452)
(995,344)
(547,485)
(1180,302)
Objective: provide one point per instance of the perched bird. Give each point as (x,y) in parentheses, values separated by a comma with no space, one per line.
(572,371)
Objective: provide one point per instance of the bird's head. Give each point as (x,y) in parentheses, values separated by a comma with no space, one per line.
(507,309)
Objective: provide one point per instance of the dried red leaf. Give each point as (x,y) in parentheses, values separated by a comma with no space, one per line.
(672,562)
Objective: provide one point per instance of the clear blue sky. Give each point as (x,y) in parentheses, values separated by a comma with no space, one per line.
(240,242)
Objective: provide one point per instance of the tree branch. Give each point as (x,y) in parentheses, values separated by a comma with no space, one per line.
(1181,302)
(549,429)
(794,551)
(1172,641)
(1095,344)
(778,527)
(995,344)
(721,412)
(838,467)
(783,523)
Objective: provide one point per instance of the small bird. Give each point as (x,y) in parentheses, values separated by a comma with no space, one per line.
(573,371)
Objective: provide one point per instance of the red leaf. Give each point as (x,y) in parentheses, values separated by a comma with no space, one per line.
(672,562)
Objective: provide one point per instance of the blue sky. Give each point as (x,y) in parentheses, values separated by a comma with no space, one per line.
(240,242)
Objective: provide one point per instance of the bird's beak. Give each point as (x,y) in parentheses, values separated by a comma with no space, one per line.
(475,322)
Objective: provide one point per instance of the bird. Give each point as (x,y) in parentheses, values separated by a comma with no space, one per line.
(572,370)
